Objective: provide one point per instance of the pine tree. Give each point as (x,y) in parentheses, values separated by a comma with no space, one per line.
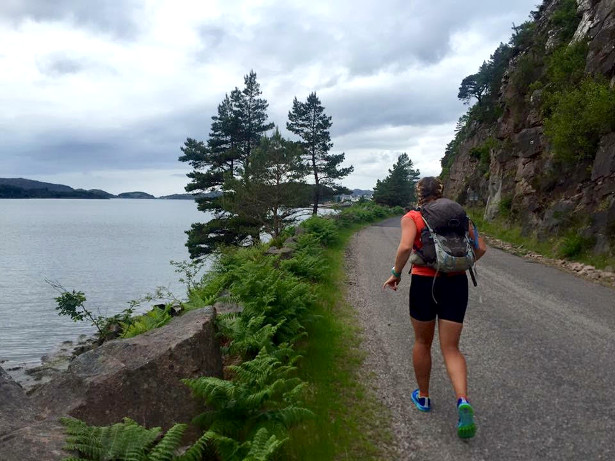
(272,187)
(309,121)
(253,117)
(235,131)
(397,189)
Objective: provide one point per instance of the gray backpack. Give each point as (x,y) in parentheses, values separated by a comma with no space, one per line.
(445,242)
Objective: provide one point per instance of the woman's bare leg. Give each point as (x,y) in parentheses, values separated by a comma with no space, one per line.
(421,353)
(450,332)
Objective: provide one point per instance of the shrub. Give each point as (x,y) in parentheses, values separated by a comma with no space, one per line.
(565,18)
(574,244)
(483,153)
(566,66)
(323,229)
(527,71)
(365,213)
(155,318)
(579,118)
(505,207)
(523,36)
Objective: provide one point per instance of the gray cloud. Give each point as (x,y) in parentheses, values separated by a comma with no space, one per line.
(421,103)
(153,143)
(118,18)
(58,65)
(363,37)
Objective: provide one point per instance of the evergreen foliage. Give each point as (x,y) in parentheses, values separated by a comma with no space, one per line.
(578,119)
(235,132)
(523,36)
(484,86)
(566,19)
(309,121)
(271,188)
(397,189)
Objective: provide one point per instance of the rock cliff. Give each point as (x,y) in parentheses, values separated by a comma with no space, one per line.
(515,162)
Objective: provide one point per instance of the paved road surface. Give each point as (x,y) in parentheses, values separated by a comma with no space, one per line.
(540,347)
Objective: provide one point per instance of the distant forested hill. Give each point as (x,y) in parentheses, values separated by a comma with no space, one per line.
(28,188)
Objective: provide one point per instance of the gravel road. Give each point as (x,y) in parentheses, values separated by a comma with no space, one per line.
(540,348)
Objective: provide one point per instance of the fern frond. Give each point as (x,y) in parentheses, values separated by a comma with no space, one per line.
(197,451)
(124,441)
(164,450)
(226,447)
(289,416)
(213,391)
(263,446)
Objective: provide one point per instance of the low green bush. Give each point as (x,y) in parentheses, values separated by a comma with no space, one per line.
(566,19)
(574,244)
(323,229)
(579,117)
(155,318)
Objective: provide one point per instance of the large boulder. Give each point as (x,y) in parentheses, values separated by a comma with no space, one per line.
(38,441)
(139,378)
(22,437)
(15,407)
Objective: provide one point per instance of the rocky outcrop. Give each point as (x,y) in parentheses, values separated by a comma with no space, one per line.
(139,378)
(598,25)
(15,407)
(522,177)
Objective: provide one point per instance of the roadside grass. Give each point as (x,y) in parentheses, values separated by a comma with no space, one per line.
(350,422)
(570,246)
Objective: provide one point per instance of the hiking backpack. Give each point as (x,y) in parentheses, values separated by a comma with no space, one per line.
(445,242)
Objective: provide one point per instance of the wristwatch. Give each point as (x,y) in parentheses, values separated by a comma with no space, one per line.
(396,274)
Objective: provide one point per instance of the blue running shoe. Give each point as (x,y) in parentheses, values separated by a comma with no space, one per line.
(422,403)
(466,428)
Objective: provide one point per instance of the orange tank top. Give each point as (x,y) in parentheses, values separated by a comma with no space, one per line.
(420,224)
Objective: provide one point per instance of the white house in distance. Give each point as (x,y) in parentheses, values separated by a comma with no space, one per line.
(355,196)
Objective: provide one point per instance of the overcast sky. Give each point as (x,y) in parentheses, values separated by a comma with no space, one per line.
(102,94)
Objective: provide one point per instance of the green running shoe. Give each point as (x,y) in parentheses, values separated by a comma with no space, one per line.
(466,428)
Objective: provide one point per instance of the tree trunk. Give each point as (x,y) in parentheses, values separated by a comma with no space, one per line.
(316,186)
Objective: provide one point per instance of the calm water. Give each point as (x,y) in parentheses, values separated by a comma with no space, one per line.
(112,250)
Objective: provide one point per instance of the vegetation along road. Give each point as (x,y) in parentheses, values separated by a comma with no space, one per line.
(539,344)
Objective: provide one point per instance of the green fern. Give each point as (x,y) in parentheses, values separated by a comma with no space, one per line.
(264,446)
(262,393)
(126,441)
(155,318)
(163,451)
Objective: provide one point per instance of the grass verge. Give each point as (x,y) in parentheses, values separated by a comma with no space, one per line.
(350,422)
(569,246)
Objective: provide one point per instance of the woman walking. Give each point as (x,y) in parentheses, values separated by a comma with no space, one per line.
(435,296)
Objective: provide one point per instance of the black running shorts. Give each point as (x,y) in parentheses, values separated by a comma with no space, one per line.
(450,292)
